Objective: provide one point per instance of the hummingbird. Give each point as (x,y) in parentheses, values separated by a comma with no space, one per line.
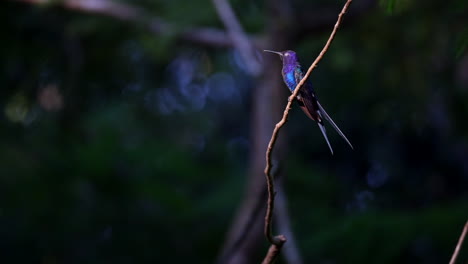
(292,74)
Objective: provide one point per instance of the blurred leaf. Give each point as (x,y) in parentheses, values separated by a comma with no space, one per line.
(393,7)
(17,108)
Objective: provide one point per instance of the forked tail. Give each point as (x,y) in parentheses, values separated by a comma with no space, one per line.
(324,133)
(328,118)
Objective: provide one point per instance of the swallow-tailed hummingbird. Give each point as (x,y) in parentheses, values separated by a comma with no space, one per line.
(292,75)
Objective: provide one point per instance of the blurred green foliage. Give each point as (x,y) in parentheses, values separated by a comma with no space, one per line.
(146,159)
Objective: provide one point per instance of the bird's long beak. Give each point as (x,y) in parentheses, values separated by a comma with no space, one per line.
(276,52)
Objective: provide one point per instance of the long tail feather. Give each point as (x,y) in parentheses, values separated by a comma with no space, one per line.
(328,118)
(324,133)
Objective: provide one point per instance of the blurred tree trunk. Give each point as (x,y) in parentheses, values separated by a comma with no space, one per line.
(245,237)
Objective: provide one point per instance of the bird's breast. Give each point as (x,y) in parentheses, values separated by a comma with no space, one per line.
(290,80)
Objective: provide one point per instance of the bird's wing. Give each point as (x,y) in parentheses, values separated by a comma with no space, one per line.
(328,118)
(300,101)
(306,97)
(310,107)
(309,102)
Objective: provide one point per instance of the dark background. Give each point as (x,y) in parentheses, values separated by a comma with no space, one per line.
(121,143)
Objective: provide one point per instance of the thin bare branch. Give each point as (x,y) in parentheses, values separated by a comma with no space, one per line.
(102,7)
(459,244)
(279,240)
(129,13)
(237,35)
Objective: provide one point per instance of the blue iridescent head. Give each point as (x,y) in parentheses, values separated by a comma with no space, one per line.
(287,56)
